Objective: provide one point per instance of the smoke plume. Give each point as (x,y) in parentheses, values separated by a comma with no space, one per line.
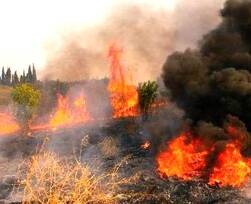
(214,80)
(146,34)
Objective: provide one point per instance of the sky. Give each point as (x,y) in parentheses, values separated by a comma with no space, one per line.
(30,27)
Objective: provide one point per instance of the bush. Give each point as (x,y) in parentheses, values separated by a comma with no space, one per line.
(147,95)
(26,99)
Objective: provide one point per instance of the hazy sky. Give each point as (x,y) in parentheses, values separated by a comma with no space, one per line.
(30,27)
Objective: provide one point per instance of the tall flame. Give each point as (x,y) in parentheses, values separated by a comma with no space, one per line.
(8,124)
(182,159)
(124,95)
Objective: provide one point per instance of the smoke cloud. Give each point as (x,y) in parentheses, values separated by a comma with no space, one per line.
(146,34)
(214,80)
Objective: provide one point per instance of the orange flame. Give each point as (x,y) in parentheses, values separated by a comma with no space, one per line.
(124,95)
(182,159)
(70,115)
(8,124)
(231,168)
(146,145)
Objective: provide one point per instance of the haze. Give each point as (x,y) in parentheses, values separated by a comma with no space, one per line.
(29,28)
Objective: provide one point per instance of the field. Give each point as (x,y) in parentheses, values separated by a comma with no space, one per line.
(5,95)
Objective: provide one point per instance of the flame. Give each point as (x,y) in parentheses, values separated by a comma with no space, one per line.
(182,159)
(8,124)
(146,145)
(231,168)
(124,95)
(68,115)
(62,115)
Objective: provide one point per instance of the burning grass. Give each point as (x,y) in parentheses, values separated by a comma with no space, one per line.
(51,180)
(182,158)
(187,158)
(8,124)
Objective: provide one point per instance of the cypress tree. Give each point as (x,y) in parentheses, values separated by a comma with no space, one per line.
(23,78)
(3,76)
(29,75)
(8,77)
(34,74)
(15,79)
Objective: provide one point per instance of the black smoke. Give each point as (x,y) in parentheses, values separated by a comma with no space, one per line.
(214,80)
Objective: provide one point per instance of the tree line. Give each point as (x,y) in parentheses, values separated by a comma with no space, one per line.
(12,79)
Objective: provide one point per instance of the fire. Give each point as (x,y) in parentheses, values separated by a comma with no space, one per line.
(8,124)
(231,168)
(182,159)
(186,156)
(146,145)
(67,114)
(62,115)
(124,95)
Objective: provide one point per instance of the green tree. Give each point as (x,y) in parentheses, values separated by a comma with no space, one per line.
(147,94)
(26,99)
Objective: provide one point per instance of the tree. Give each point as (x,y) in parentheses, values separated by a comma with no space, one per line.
(22,78)
(15,79)
(29,75)
(3,76)
(34,74)
(26,99)
(147,94)
(8,77)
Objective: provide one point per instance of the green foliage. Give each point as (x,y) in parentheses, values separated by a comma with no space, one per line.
(25,95)
(27,99)
(147,95)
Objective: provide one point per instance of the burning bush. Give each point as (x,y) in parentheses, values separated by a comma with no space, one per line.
(53,180)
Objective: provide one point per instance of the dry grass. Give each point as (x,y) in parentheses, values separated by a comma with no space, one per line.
(5,95)
(109,147)
(51,180)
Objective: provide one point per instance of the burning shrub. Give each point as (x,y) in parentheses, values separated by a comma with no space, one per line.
(53,180)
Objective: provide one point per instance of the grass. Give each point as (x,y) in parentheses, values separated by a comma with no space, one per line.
(50,179)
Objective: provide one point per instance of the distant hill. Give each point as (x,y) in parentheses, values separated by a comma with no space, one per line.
(5,95)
